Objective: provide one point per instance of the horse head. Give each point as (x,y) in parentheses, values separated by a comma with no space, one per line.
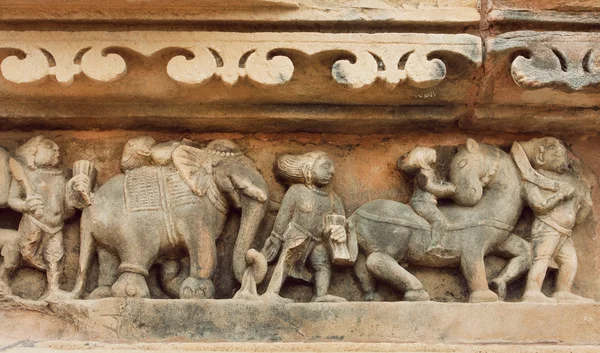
(471,169)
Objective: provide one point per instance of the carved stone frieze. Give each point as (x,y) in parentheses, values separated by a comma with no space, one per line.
(262,58)
(560,60)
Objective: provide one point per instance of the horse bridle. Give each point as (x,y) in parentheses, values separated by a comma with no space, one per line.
(487,177)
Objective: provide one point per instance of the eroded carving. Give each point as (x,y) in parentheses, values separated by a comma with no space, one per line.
(309,228)
(565,61)
(172,201)
(266,61)
(559,202)
(42,192)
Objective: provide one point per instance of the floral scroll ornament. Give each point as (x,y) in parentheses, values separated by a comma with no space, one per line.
(64,62)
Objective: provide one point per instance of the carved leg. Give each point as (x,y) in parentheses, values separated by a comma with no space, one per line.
(86,252)
(319,260)
(203,259)
(11,260)
(367,282)
(53,256)
(172,275)
(518,253)
(473,268)
(544,246)
(566,258)
(108,274)
(387,269)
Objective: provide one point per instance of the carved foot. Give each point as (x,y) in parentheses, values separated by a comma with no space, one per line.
(195,288)
(328,298)
(416,295)
(499,287)
(483,296)
(131,285)
(5,291)
(275,298)
(534,296)
(373,297)
(100,292)
(568,297)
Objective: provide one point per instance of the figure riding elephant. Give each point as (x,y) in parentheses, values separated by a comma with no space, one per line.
(171,202)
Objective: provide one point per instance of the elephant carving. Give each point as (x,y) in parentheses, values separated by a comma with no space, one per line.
(171,202)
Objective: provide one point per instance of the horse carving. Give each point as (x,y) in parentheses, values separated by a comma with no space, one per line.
(488,203)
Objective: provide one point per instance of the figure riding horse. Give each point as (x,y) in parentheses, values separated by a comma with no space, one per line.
(488,203)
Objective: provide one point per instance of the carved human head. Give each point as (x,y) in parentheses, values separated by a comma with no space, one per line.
(137,153)
(312,168)
(417,158)
(39,152)
(547,153)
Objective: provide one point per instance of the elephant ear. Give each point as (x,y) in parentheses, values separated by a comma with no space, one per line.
(195,167)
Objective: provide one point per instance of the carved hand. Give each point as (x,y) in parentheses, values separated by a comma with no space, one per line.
(338,233)
(271,248)
(567,190)
(35,205)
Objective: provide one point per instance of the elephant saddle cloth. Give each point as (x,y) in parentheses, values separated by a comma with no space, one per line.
(156,189)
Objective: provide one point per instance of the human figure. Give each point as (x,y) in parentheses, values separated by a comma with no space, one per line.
(301,226)
(427,189)
(559,202)
(41,192)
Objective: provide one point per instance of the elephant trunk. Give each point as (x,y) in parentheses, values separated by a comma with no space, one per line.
(253,212)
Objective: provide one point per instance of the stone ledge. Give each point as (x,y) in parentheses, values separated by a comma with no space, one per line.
(355,347)
(113,320)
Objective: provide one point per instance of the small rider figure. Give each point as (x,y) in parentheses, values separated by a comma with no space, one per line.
(420,161)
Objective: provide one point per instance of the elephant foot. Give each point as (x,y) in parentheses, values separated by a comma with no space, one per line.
(272,297)
(420,295)
(535,296)
(100,292)
(130,285)
(245,295)
(483,296)
(195,288)
(373,297)
(568,297)
(328,298)
(499,287)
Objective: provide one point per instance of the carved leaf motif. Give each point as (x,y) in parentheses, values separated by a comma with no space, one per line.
(273,71)
(422,72)
(33,67)
(103,67)
(200,69)
(357,75)
(574,69)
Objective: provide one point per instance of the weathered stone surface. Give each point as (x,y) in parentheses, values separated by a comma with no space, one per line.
(355,12)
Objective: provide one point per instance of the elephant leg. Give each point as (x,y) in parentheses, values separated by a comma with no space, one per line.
(11,260)
(172,275)
(387,269)
(86,253)
(518,253)
(108,274)
(203,260)
(367,282)
(473,268)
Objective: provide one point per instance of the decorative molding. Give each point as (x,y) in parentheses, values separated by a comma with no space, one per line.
(560,60)
(263,59)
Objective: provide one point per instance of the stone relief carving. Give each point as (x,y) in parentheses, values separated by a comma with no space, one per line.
(171,202)
(561,60)
(42,191)
(309,228)
(262,58)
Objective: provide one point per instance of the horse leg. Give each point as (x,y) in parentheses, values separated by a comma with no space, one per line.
(473,268)
(518,253)
(367,282)
(387,269)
